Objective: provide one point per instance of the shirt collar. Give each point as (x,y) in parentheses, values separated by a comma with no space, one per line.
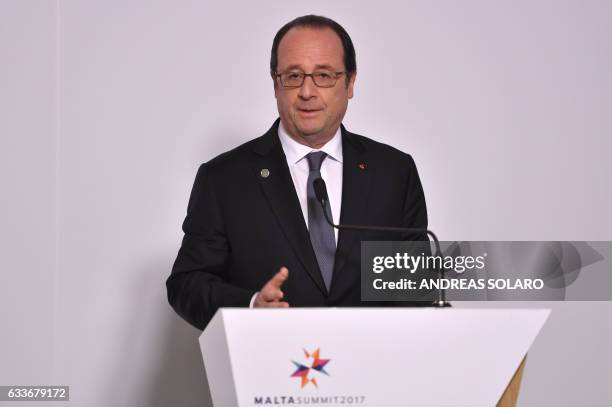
(295,151)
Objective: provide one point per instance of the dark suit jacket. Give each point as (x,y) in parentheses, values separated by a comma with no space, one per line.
(241,227)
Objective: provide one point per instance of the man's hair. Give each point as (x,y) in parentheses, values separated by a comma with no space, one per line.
(312,21)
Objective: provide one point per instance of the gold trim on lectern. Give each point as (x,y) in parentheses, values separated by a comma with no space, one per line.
(510,396)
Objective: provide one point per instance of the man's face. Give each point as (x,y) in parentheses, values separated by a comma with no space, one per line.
(311,114)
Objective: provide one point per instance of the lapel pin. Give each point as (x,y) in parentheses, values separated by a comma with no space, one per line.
(362,166)
(265,173)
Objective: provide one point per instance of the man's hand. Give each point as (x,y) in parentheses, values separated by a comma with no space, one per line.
(271,295)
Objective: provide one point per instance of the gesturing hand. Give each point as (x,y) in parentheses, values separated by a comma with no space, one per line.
(271,295)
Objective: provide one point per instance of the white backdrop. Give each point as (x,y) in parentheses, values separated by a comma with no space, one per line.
(107,109)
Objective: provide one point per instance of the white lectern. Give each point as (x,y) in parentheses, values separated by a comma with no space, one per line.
(379,357)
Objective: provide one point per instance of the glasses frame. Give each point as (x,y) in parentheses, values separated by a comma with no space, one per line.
(337,76)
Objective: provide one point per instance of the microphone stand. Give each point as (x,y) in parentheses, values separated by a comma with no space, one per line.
(321,194)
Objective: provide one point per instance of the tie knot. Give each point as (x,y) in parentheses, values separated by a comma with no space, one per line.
(315,159)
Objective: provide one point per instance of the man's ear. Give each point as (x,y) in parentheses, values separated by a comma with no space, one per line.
(350,84)
(275,85)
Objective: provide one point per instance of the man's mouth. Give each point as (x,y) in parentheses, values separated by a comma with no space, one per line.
(308,112)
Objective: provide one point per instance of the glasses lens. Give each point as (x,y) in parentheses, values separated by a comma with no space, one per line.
(292,79)
(324,79)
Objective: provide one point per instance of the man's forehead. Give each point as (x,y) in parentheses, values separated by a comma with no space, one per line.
(316,47)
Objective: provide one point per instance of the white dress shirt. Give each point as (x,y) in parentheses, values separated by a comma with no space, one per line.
(331,172)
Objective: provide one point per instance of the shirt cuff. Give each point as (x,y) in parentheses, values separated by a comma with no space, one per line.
(252,303)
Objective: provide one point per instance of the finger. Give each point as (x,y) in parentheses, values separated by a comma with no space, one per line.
(280,277)
(262,301)
(269,293)
(277,304)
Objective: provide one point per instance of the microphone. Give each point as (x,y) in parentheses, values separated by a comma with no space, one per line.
(320,190)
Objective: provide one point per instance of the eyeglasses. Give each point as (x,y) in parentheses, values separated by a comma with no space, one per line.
(295,79)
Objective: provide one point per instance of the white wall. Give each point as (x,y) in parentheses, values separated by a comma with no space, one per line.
(111,107)
(28,177)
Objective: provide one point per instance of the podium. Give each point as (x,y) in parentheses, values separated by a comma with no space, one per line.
(379,357)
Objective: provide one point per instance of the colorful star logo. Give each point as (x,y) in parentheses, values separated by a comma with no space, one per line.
(317,365)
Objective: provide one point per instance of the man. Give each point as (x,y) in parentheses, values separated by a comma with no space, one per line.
(255,234)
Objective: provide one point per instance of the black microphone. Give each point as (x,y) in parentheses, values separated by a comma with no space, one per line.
(320,190)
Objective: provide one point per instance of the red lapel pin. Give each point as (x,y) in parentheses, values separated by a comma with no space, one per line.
(362,166)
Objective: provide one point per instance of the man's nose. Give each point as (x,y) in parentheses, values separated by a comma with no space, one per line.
(308,88)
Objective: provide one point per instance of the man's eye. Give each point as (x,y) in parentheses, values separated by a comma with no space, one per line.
(324,75)
(294,75)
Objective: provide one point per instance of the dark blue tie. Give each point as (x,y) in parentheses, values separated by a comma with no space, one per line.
(321,232)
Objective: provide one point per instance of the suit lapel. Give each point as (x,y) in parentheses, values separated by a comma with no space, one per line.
(281,195)
(355,187)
